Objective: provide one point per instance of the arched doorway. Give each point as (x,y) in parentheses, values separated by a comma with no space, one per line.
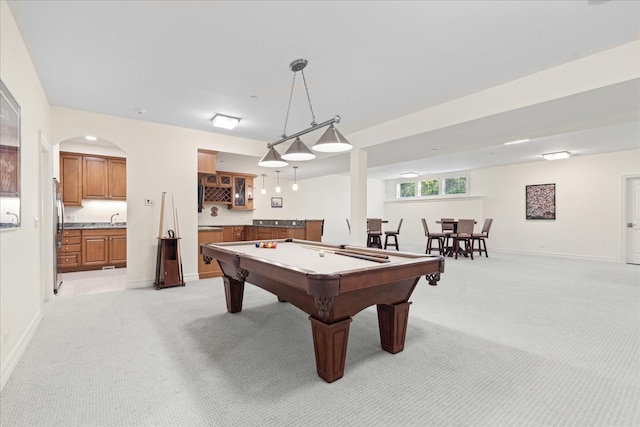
(92,254)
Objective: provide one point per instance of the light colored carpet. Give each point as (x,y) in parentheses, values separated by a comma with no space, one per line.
(510,340)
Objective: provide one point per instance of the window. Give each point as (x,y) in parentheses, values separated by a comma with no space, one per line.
(407,189)
(430,187)
(455,185)
(435,186)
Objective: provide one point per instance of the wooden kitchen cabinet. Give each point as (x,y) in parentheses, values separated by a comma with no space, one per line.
(242,192)
(206,271)
(104,178)
(207,161)
(69,253)
(104,247)
(71,178)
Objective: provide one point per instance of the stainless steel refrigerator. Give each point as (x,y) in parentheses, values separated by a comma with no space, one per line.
(58,230)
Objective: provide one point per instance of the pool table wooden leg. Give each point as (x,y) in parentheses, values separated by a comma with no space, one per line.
(392,322)
(234,292)
(330,346)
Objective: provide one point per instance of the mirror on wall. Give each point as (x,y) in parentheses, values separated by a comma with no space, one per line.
(9,160)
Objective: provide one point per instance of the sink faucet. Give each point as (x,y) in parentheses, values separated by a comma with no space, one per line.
(115,214)
(16,215)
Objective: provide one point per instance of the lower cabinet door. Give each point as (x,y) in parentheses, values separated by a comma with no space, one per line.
(118,250)
(95,250)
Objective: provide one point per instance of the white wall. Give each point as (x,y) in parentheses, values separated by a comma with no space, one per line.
(588,206)
(21,274)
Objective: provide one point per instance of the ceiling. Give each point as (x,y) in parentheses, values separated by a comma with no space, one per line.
(371,62)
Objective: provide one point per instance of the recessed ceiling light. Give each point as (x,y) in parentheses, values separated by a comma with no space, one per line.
(90,138)
(517,142)
(557,156)
(225,122)
(409,174)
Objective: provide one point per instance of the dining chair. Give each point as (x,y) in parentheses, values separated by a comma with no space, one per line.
(439,237)
(448,228)
(481,238)
(463,235)
(394,234)
(374,232)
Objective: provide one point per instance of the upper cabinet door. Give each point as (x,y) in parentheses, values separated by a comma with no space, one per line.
(95,178)
(71,179)
(118,179)
(104,178)
(207,162)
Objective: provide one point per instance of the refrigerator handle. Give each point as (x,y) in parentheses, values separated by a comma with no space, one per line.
(61,222)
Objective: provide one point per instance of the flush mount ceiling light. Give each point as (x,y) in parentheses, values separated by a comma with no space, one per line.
(409,174)
(90,138)
(557,156)
(331,141)
(224,122)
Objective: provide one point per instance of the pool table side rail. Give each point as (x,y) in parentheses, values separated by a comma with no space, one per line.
(327,284)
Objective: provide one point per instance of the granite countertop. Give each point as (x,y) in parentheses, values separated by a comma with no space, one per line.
(93,225)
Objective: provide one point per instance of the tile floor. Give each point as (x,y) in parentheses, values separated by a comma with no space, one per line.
(90,282)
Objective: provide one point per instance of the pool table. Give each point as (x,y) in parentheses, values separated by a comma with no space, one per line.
(329,287)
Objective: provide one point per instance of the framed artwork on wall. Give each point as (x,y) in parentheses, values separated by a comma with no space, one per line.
(10,117)
(276,202)
(541,201)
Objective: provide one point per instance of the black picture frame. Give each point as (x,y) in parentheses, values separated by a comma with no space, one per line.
(276,202)
(540,202)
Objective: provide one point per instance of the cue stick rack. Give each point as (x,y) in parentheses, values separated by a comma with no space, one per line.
(169,260)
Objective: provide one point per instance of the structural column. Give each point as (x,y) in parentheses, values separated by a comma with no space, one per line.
(358,196)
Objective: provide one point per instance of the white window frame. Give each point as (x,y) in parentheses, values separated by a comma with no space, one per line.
(441,186)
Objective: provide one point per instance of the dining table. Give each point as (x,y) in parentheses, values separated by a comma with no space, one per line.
(448,250)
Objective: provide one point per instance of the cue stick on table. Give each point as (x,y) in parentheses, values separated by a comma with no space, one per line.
(349,254)
(352,251)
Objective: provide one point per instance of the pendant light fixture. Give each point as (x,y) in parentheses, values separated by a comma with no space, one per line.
(295,179)
(278,189)
(331,141)
(263,191)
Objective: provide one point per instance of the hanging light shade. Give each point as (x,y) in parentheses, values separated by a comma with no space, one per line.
(295,179)
(278,189)
(298,152)
(272,159)
(332,141)
(263,191)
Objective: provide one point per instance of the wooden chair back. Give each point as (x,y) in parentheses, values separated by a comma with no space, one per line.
(374,225)
(447,225)
(465,227)
(487,226)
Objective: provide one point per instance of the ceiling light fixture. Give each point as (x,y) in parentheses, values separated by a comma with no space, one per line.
(332,141)
(517,142)
(263,191)
(409,174)
(557,156)
(295,179)
(90,138)
(224,122)
(278,189)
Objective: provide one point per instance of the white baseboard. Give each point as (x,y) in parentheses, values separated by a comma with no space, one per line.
(12,361)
